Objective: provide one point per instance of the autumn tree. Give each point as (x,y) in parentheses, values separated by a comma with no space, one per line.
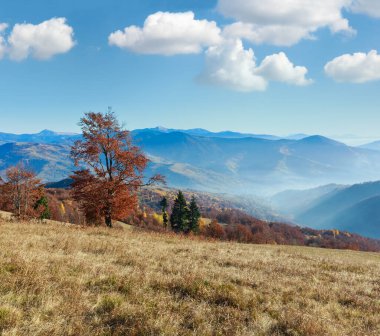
(113,169)
(20,191)
(215,230)
(194,215)
(179,215)
(164,210)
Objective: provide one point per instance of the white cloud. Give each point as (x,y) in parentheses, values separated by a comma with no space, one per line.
(369,7)
(273,34)
(283,22)
(168,34)
(41,41)
(355,68)
(278,68)
(230,65)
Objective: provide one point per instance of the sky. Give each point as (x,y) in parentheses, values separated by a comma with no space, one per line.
(275,67)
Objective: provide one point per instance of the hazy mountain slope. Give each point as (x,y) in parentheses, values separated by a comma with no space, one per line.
(257,165)
(294,202)
(50,162)
(44,137)
(220,164)
(362,218)
(353,209)
(373,146)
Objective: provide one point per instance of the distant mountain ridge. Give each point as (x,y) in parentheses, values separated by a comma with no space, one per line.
(205,133)
(227,162)
(259,164)
(293,202)
(43,137)
(48,136)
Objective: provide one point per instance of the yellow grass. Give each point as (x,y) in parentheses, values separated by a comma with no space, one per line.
(62,280)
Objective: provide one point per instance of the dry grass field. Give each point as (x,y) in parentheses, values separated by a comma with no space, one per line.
(64,280)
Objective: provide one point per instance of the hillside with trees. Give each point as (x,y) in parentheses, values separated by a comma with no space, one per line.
(110,185)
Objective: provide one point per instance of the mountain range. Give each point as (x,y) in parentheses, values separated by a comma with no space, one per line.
(353,208)
(240,164)
(43,137)
(255,166)
(224,134)
(227,162)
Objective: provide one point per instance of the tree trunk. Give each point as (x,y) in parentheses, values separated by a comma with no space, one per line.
(108,212)
(108,219)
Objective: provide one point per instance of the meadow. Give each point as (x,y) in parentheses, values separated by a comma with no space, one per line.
(68,280)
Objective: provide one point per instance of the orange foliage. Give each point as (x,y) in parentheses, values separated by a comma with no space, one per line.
(214,230)
(108,187)
(20,191)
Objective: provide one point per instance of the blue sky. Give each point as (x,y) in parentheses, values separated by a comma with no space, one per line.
(219,86)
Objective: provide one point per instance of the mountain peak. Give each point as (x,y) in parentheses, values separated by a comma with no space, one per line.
(161,128)
(319,139)
(46,132)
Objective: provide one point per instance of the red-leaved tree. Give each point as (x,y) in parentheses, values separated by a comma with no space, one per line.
(20,191)
(107,187)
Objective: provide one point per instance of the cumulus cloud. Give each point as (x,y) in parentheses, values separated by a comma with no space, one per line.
(167,34)
(355,68)
(231,65)
(283,22)
(278,68)
(369,7)
(41,41)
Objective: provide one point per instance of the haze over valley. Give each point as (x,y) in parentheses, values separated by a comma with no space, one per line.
(227,162)
(258,168)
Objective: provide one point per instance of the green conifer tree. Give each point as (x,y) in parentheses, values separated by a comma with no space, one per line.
(179,215)
(42,206)
(194,215)
(164,209)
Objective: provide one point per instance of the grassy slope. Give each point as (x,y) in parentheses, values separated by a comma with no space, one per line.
(63,280)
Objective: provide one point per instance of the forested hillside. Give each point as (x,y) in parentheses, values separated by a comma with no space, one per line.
(221,219)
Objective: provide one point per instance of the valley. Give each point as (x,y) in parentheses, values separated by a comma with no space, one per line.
(239,164)
(245,171)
